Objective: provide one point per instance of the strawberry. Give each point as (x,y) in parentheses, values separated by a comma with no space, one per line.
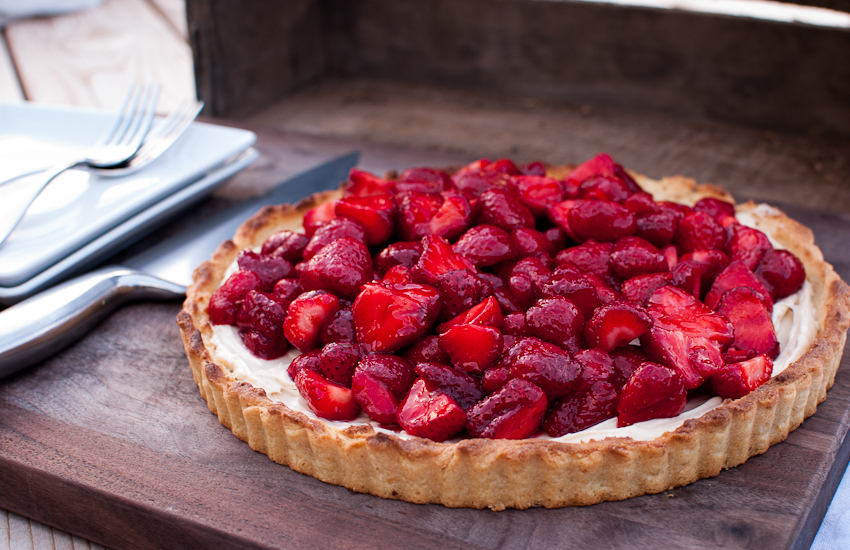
(658,227)
(309,360)
(638,289)
(452,218)
(485,245)
(535,168)
(338,327)
(544,364)
(537,271)
(394,371)
(557,320)
(699,231)
(397,275)
(712,262)
(325,398)
(600,220)
(472,167)
(376,213)
(427,350)
(437,258)
(502,209)
(626,361)
(747,245)
(671,255)
(616,325)
(463,388)
(423,180)
(364,184)
(736,274)
(286,290)
(538,193)
(513,412)
(400,253)
(715,208)
(590,257)
(472,348)
(374,397)
(338,360)
(559,214)
(415,211)
(305,317)
(269,270)
(285,244)
(260,320)
(641,203)
(429,413)
(460,289)
(582,410)
(653,391)
(495,378)
(754,332)
(687,275)
(633,256)
(515,325)
(602,165)
(341,267)
(604,188)
(739,379)
(530,242)
(333,230)
(472,185)
(390,317)
(596,366)
(781,272)
(579,289)
(486,313)
(317,217)
(226,301)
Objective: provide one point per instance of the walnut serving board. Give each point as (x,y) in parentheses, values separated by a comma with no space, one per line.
(110,440)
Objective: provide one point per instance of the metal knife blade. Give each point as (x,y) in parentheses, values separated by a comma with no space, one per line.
(40,326)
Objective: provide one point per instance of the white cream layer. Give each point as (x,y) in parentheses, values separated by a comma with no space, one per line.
(793,319)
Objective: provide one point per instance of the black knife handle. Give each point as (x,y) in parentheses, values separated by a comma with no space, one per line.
(40,326)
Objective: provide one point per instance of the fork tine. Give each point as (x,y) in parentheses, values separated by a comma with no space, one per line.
(173,118)
(122,116)
(142,118)
(178,124)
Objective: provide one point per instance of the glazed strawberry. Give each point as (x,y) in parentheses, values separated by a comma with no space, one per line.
(339,327)
(590,257)
(501,166)
(423,180)
(338,360)
(460,289)
(397,275)
(376,214)
(515,325)
(596,366)
(658,227)
(747,245)
(263,345)
(557,320)
(400,253)
(600,220)
(269,270)
(626,361)
(530,242)
(602,165)
(437,258)
(544,364)
(736,274)
(579,289)
(285,244)
(317,217)
(653,391)
(453,217)
(305,317)
(485,245)
(633,256)
(641,203)
(538,273)
(485,313)
(538,193)
(535,168)
(394,371)
(699,231)
(513,412)
(472,348)
(712,261)
(430,413)
(639,289)
(387,318)
(364,184)
(374,397)
(582,410)
(325,398)
(559,214)
(261,313)
(686,335)
(502,209)
(427,350)
(715,208)
(507,301)
(415,211)
(333,230)
(604,188)
(309,360)
(781,272)
(682,209)
(471,168)
(463,388)
(616,325)
(226,301)
(286,290)
(739,379)
(754,332)
(687,275)
(471,185)
(607,295)
(495,378)
(341,267)
(671,255)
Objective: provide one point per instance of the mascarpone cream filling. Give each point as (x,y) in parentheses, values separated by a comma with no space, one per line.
(793,319)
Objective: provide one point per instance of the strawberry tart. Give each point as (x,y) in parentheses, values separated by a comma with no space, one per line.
(513,336)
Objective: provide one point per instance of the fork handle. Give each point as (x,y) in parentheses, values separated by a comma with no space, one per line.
(40,326)
(17,204)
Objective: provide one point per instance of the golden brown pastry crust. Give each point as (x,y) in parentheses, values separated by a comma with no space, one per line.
(498,474)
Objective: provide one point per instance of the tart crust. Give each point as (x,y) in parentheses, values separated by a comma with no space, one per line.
(499,474)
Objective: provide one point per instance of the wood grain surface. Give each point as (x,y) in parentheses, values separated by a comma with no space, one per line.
(111,441)
(10,88)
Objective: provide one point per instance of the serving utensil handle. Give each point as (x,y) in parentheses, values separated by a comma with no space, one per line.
(40,326)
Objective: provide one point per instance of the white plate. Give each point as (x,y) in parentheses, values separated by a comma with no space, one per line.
(79,206)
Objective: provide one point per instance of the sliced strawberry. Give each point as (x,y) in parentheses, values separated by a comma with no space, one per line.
(641,203)
(699,231)
(364,184)
(309,360)
(437,258)
(658,227)
(375,213)
(687,275)
(596,366)
(616,325)
(653,391)
(317,217)
(559,214)
(226,301)
(736,274)
(430,413)
(325,398)
(715,208)
(538,193)
(394,371)
(590,257)
(502,209)
(515,325)
(305,318)
(338,361)
(269,270)
(400,253)
(600,220)
(461,289)
(286,290)
(341,267)
(495,378)
(463,388)
(530,242)
(579,289)
(397,275)
(747,245)
(485,245)
(339,327)
(333,230)
(390,317)
(472,167)
(604,188)
(626,361)
(671,255)
(485,313)
(754,332)
(374,397)
(639,289)
(633,256)
(513,412)
(781,272)
(582,410)
(602,165)
(415,211)
(453,217)
(739,379)
(285,244)
(713,262)
(545,365)
(423,180)
(535,168)
(427,350)
(557,320)
(472,348)
(537,271)
(262,318)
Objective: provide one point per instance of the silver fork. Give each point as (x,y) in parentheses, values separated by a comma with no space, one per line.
(116,147)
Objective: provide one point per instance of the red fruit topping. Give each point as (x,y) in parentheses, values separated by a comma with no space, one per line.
(397,275)
(286,290)
(781,272)
(423,180)
(538,193)
(437,258)
(375,213)
(739,379)
(556,320)
(463,388)
(641,203)
(671,255)
(263,345)
(682,209)
(513,412)
(269,270)
(339,327)
(559,214)
(744,307)
(600,220)
(325,398)
(364,184)
(317,217)
(616,325)
(530,242)
(686,335)
(604,188)
(333,230)
(507,301)
(579,289)
(453,217)
(502,209)
(658,227)
(495,378)
(715,208)
(309,360)
(545,365)
(687,275)
(415,211)
(472,348)
(427,350)
(736,274)
(387,318)
(430,413)
(653,391)
(535,168)
(582,410)
(515,325)
(227,299)
(536,269)
(460,289)
(713,262)
(485,245)
(305,318)
(341,267)
(285,244)
(392,370)
(471,185)
(261,313)
(374,397)
(747,245)
(338,360)
(602,165)
(633,256)
(626,361)
(400,253)
(486,313)
(596,366)
(589,257)
(639,289)
(699,231)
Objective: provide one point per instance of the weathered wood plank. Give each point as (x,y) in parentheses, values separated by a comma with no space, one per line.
(10,87)
(175,12)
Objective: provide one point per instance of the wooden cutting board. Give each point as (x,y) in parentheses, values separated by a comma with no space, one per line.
(111,441)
